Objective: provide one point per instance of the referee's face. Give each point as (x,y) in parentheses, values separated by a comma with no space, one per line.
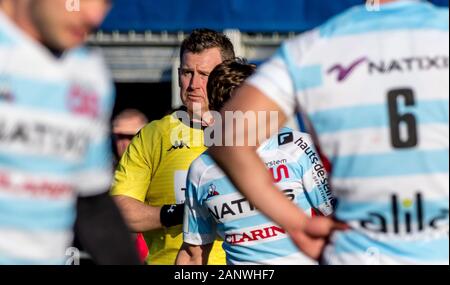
(64,24)
(193,78)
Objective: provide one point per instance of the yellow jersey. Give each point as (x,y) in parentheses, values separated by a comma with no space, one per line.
(153,170)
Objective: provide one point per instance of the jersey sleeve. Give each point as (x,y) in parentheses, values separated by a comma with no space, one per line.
(134,171)
(315,178)
(198,225)
(274,81)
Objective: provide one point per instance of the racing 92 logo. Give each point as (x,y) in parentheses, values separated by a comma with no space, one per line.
(83,101)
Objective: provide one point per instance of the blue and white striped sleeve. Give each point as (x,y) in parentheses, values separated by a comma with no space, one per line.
(315,178)
(198,225)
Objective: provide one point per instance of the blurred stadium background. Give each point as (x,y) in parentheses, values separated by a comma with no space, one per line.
(140,39)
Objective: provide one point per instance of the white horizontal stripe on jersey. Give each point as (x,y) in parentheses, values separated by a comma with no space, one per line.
(368,189)
(373,140)
(197,168)
(372,257)
(16,62)
(34,245)
(293,259)
(241,210)
(247,230)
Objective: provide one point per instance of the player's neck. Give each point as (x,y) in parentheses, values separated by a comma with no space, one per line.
(18,13)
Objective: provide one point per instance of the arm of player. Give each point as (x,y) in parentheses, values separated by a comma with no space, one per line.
(249,175)
(190,254)
(100,228)
(244,167)
(199,230)
(315,178)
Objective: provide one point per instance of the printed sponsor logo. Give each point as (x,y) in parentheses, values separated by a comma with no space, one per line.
(255,235)
(402,214)
(411,64)
(35,187)
(344,71)
(285,138)
(274,163)
(399,65)
(212,191)
(321,176)
(239,206)
(43,138)
(281,171)
(178,145)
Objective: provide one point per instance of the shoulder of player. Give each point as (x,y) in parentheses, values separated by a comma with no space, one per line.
(159,127)
(302,44)
(200,167)
(342,20)
(314,39)
(168,123)
(442,14)
(149,137)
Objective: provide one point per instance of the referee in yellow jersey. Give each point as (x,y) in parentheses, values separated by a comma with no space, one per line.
(150,178)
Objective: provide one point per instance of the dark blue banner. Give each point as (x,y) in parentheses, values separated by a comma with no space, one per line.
(245,15)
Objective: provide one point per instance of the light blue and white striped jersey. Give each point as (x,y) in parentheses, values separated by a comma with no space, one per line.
(214,206)
(54,144)
(373,87)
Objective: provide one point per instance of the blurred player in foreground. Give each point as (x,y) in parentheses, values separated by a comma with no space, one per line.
(372,84)
(213,206)
(55,105)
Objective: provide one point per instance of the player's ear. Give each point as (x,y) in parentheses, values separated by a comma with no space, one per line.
(179,77)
